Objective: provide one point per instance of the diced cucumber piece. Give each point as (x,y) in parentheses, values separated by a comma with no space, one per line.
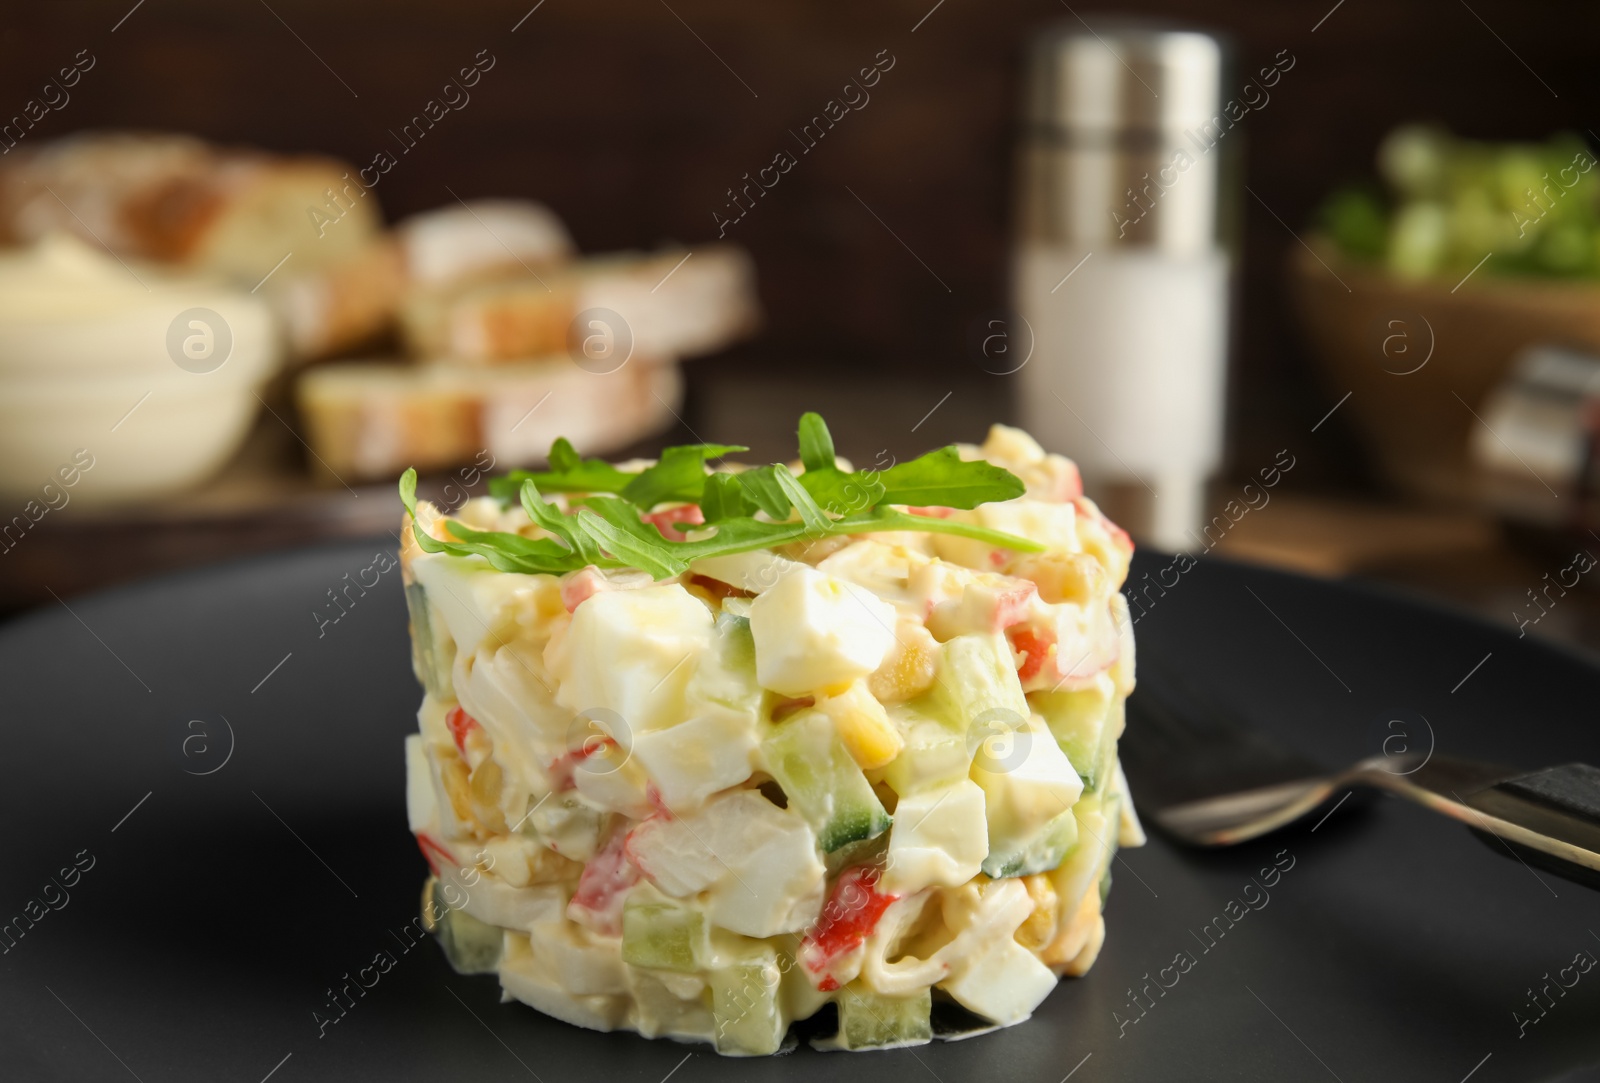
(735,643)
(870,1021)
(470,946)
(863,852)
(1079,719)
(744,1003)
(1113,817)
(433,652)
(1105,771)
(934,753)
(822,782)
(977,675)
(1041,853)
(726,674)
(1086,862)
(662,935)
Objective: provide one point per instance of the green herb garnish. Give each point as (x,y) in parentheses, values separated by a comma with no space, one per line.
(606,528)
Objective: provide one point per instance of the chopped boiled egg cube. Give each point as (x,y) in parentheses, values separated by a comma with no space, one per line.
(507,690)
(813,632)
(422,805)
(938,839)
(1104,540)
(757,863)
(754,571)
(581,963)
(1122,671)
(632,652)
(879,565)
(531,978)
(1046,522)
(1063,577)
(1066,645)
(608,778)
(1026,779)
(990,603)
(478,603)
(1004,983)
(1010,446)
(689,762)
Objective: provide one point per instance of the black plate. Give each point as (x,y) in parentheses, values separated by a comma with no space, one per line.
(231,881)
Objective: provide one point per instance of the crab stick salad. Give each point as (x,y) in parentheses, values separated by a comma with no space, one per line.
(705,747)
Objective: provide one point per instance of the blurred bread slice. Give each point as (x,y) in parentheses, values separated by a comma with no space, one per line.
(368,421)
(480,239)
(675,303)
(341,306)
(350,302)
(179,200)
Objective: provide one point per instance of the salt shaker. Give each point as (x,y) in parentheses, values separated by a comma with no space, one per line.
(1123,261)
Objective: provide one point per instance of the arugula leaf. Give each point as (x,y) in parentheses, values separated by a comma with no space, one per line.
(816,443)
(428,543)
(505,552)
(889,519)
(678,476)
(943,479)
(513,552)
(741,536)
(842,493)
(811,513)
(607,528)
(408,491)
(761,487)
(563,456)
(587,479)
(551,518)
(652,556)
(567,474)
(624,515)
(723,498)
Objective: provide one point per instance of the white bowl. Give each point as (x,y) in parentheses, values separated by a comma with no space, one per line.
(148,376)
(144,436)
(69,311)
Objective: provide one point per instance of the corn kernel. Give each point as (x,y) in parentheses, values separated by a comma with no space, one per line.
(863,725)
(1039,928)
(453,775)
(487,782)
(910,669)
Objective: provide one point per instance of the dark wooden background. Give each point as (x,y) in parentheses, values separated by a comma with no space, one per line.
(625,117)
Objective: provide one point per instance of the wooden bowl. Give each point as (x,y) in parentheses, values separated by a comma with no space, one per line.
(1419,358)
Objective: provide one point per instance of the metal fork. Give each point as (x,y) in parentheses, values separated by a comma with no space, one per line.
(1207,779)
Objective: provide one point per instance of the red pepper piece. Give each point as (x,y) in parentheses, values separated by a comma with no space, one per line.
(852,911)
(461,723)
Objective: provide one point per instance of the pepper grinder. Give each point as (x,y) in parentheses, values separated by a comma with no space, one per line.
(1123,261)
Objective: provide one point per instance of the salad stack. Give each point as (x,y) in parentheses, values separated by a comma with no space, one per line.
(707,749)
